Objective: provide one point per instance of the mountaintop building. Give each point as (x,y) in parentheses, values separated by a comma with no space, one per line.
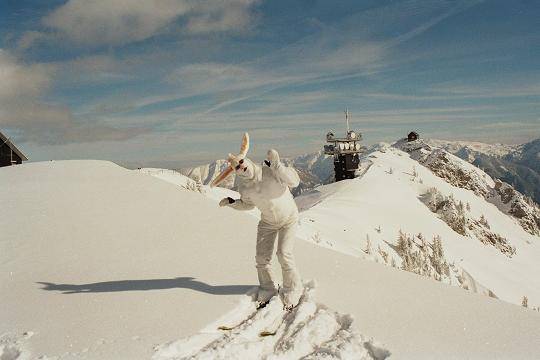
(413,135)
(9,153)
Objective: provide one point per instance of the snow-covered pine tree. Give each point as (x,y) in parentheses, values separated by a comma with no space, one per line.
(483,221)
(438,260)
(368,250)
(383,254)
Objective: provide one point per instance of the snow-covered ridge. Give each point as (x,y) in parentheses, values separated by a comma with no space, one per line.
(204,174)
(447,166)
(173,177)
(366,216)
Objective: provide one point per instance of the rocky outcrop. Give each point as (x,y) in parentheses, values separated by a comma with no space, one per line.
(512,202)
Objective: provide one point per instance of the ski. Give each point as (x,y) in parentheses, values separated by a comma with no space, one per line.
(276,324)
(251,316)
(274,327)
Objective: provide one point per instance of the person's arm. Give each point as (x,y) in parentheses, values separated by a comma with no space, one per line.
(286,175)
(238,204)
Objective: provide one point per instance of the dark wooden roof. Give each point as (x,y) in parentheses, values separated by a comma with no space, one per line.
(6,140)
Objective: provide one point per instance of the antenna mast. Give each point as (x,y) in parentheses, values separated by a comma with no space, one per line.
(345,150)
(347,119)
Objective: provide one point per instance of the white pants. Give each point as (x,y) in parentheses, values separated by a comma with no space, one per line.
(266,238)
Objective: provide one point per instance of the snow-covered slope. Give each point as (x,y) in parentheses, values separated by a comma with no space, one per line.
(204,174)
(484,249)
(100,262)
(311,330)
(173,177)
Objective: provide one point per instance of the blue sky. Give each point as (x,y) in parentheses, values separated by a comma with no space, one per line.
(176,82)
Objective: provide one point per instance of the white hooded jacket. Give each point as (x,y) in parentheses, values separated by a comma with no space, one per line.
(268,190)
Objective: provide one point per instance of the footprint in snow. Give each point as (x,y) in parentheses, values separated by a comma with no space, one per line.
(309,331)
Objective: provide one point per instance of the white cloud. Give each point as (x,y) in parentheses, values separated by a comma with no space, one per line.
(93,69)
(116,22)
(214,77)
(29,38)
(217,16)
(20,81)
(22,108)
(508,88)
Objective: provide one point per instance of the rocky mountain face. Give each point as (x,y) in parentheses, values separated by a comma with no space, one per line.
(466,176)
(518,165)
(514,203)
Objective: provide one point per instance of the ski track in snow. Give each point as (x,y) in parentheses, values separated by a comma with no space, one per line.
(12,346)
(310,331)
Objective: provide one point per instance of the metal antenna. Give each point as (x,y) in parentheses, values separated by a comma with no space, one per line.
(347,118)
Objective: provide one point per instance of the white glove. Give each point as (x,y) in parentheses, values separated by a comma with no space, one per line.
(226,201)
(272,159)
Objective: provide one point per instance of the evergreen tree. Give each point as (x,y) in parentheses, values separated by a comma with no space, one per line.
(368,245)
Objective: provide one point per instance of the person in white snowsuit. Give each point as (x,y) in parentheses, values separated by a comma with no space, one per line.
(267,188)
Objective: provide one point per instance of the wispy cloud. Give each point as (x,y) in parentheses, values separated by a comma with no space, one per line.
(22,107)
(117,22)
(525,88)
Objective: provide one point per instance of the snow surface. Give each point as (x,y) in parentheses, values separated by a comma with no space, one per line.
(206,173)
(101,262)
(171,176)
(310,331)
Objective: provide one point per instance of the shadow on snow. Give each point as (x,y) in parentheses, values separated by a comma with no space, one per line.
(150,284)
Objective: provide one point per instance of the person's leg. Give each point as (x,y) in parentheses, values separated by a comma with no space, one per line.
(266,237)
(292,283)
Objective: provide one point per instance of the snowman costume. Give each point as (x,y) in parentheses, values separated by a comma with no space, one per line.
(267,188)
